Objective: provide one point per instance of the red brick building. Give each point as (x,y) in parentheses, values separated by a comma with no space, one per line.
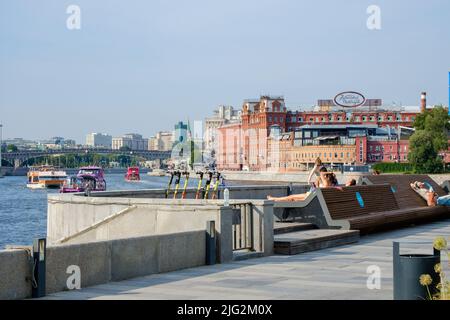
(245,145)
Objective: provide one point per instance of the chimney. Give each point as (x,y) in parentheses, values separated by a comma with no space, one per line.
(423,102)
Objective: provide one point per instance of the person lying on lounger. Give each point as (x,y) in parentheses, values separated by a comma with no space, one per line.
(325,180)
(425,190)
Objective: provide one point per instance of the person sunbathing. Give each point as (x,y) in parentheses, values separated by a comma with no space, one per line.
(425,190)
(325,180)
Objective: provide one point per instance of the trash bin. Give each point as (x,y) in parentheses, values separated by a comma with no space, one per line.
(407,270)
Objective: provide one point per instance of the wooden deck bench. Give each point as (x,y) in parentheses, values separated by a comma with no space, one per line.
(340,208)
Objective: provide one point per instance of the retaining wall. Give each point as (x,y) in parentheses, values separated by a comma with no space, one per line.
(101,262)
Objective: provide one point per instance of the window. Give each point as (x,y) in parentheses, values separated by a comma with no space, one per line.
(380,118)
(270,118)
(300,119)
(390,118)
(372,118)
(275,119)
(364,118)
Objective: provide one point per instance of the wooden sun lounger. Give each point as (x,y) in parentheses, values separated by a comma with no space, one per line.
(378,209)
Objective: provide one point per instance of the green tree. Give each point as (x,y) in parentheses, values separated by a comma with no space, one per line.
(11,148)
(430,137)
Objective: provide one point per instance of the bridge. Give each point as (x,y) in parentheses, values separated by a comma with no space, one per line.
(19,157)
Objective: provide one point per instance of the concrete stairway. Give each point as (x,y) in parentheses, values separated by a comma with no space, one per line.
(294,238)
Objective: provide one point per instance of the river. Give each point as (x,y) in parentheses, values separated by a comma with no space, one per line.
(23,212)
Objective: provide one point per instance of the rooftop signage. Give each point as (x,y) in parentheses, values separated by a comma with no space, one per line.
(349,99)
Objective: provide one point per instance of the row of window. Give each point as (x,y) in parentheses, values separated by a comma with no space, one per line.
(277,119)
(340,119)
(320,155)
(386,157)
(381,148)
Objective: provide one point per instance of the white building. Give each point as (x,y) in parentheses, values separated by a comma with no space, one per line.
(163,141)
(132,141)
(99,140)
(222,115)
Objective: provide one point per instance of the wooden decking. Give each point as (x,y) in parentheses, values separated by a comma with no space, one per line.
(333,273)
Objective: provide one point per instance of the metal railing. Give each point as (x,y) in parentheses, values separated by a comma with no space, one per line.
(243,226)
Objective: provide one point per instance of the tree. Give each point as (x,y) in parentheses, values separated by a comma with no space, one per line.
(11,148)
(125,148)
(430,137)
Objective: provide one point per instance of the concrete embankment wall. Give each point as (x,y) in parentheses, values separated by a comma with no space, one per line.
(101,262)
(15,274)
(78,219)
(143,212)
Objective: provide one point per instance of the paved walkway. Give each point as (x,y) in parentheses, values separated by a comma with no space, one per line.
(335,273)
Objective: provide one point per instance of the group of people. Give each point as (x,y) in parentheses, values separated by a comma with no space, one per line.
(323,179)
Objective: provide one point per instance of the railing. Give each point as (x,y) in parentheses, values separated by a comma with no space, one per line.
(243,226)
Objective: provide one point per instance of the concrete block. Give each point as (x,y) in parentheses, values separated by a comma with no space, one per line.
(134,257)
(15,275)
(93,259)
(182,250)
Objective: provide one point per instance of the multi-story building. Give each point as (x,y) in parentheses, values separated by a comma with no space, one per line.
(222,115)
(132,141)
(163,141)
(246,144)
(97,140)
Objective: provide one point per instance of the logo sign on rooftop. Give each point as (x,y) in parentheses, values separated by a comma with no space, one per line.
(349,99)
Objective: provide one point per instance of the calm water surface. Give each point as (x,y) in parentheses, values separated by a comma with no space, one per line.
(23,212)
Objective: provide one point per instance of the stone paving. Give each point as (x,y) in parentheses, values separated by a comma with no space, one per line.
(334,273)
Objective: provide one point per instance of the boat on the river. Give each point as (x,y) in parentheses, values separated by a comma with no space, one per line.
(132,174)
(45,177)
(88,179)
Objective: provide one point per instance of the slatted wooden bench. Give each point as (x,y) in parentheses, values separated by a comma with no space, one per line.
(377,209)
(406,197)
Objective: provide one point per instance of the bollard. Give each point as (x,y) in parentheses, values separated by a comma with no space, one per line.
(39,255)
(407,270)
(210,242)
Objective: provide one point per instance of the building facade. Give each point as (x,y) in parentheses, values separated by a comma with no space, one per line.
(222,115)
(163,141)
(131,141)
(97,140)
(338,136)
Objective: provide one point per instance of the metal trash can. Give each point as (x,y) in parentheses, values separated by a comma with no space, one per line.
(407,270)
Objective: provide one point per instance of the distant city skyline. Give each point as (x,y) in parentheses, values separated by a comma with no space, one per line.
(143,66)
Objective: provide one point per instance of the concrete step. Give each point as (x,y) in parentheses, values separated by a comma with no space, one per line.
(310,240)
(286,227)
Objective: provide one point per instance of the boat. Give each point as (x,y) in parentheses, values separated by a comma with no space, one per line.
(88,178)
(132,174)
(45,177)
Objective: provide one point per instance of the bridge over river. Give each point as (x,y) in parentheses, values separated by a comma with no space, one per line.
(19,157)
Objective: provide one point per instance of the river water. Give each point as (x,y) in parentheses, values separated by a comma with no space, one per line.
(23,212)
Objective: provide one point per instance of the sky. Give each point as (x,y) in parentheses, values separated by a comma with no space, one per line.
(143,65)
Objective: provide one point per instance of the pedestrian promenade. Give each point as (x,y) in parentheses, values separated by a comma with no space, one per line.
(334,273)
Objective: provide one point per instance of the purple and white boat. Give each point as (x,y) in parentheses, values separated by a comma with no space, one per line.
(88,178)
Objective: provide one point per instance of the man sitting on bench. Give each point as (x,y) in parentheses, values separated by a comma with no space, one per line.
(425,190)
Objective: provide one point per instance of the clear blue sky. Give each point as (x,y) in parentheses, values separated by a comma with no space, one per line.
(140,66)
